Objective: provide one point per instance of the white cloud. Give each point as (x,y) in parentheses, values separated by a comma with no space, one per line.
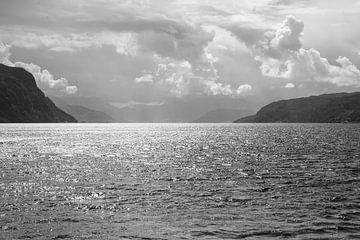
(71,89)
(178,77)
(244,89)
(289,85)
(281,55)
(125,43)
(182,78)
(44,79)
(147,78)
(4,53)
(287,35)
(224,40)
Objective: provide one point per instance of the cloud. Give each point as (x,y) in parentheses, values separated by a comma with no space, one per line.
(71,89)
(247,34)
(124,43)
(288,2)
(44,79)
(289,85)
(179,78)
(182,78)
(4,53)
(211,47)
(281,55)
(147,78)
(154,33)
(244,89)
(287,36)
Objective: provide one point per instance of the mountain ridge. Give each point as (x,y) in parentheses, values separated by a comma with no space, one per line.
(222,115)
(171,110)
(81,113)
(331,108)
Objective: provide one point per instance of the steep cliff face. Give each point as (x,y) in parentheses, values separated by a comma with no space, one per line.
(338,107)
(22,101)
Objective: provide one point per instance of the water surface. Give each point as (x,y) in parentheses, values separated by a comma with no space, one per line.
(179,181)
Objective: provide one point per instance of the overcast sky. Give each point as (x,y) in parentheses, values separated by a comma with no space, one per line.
(150,50)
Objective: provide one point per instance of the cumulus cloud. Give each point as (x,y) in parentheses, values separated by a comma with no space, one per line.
(244,89)
(147,78)
(44,79)
(281,55)
(182,78)
(179,78)
(287,35)
(289,85)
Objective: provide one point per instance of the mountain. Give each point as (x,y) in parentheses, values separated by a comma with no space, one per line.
(81,113)
(187,110)
(170,110)
(222,115)
(22,101)
(92,108)
(337,107)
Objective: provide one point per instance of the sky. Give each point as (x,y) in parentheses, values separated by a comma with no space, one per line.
(147,51)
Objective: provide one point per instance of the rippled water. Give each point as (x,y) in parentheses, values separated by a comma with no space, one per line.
(179,181)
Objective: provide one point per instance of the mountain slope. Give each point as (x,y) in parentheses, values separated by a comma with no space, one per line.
(22,101)
(111,113)
(170,110)
(222,115)
(338,107)
(81,113)
(187,110)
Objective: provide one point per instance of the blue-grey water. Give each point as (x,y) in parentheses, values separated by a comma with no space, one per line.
(180,181)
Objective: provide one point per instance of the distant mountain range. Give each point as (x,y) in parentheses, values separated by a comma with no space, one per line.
(22,101)
(81,113)
(214,109)
(222,115)
(93,109)
(326,108)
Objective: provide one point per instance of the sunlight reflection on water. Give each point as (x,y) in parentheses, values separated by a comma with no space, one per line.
(179,181)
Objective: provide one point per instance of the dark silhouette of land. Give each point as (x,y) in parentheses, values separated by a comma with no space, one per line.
(326,108)
(22,101)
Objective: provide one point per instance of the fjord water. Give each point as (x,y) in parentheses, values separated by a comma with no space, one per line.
(179,181)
